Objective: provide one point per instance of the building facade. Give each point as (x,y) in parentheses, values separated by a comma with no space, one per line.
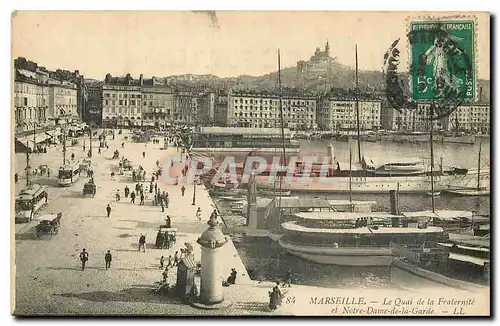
(62,102)
(92,114)
(206,109)
(471,118)
(31,101)
(262,110)
(341,114)
(121,101)
(157,105)
(466,118)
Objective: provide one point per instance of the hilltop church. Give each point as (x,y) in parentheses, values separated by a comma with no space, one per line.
(319,62)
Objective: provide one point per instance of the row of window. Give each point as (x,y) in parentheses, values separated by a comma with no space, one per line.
(23,114)
(137,96)
(276,102)
(121,110)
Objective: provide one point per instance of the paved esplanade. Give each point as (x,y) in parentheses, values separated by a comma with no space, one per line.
(48,275)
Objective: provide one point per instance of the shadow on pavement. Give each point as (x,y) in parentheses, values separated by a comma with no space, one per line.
(133,294)
(253,306)
(73,194)
(26,236)
(46,182)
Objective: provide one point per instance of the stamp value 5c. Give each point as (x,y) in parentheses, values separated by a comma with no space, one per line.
(442,57)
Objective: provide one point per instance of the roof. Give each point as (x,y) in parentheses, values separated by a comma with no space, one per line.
(188,261)
(298,202)
(343,215)
(263,202)
(293,226)
(381,160)
(30,192)
(443,214)
(242,131)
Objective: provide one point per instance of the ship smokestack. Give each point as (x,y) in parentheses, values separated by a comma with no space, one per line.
(394,202)
(331,155)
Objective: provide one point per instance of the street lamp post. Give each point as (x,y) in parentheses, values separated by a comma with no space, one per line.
(194,191)
(90,139)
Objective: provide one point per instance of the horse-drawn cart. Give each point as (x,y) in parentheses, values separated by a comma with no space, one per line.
(89,188)
(48,225)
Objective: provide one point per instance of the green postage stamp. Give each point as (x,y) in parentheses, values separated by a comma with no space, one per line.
(442,59)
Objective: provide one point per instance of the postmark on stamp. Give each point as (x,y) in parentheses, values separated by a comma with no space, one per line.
(442,57)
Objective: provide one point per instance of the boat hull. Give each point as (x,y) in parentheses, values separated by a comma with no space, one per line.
(409,184)
(355,256)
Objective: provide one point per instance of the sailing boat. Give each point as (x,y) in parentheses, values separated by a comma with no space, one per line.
(478,190)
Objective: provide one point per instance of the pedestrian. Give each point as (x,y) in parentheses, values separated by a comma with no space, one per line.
(123,145)
(170,262)
(198,213)
(165,275)
(142,242)
(162,205)
(107,259)
(142,199)
(288,278)
(112,176)
(108,210)
(132,197)
(117,195)
(72,156)
(177,180)
(143,154)
(84,147)
(16,178)
(48,172)
(127,191)
(156,187)
(99,151)
(84,257)
(150,187)
(162,260)
(176,258)
(183,189)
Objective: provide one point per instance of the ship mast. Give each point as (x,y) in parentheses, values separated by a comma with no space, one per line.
(432,154)
(479,167)
(282,125)
(282,143)
(357,107)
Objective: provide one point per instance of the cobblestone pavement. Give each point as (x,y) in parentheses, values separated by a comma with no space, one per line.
(48,275)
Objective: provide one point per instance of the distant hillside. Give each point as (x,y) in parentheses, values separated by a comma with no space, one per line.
(338,77)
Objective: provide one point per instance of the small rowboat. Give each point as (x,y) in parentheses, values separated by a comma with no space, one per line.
(436,193)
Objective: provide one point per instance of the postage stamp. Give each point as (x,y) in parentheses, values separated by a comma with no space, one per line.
(442,58)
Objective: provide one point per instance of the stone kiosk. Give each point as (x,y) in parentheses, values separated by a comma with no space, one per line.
(211,242)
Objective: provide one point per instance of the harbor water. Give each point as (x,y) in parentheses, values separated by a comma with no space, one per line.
(264,261)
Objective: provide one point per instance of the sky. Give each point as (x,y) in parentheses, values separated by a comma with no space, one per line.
(162,43)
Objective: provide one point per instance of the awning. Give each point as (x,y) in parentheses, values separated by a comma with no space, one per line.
(28,141)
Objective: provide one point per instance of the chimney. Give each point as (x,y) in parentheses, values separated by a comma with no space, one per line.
(141,80)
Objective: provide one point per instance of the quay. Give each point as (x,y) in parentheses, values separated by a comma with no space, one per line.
(48,277)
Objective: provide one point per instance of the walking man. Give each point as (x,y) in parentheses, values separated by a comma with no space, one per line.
(198,213)
(183,189)
(142,199)
(162,260)
(107,259)
(108,210)
(142,242)
(176,258)
(143,154)
(132,197)
(162,206)
(84,257)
